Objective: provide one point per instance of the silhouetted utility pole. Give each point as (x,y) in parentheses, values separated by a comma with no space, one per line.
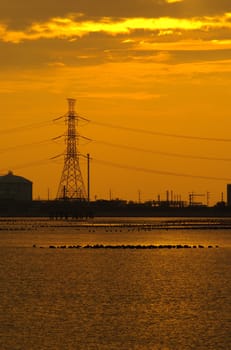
(88,177)
(71,185)
(139,196)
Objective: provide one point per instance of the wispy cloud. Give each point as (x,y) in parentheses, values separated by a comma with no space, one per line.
(186,45)
(173,1)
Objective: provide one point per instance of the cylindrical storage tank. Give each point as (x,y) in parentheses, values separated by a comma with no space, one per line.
(13,187)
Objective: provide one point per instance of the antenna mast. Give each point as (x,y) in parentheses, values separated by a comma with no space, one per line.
(71,186)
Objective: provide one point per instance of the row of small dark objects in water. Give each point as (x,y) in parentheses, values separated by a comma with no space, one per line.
(102,246)
(7,224)
(118,228)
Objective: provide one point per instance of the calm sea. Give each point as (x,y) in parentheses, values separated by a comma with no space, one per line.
(113,298)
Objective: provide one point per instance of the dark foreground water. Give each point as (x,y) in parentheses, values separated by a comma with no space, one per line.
(113,298)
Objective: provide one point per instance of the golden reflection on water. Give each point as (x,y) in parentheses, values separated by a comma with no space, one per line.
(114,299)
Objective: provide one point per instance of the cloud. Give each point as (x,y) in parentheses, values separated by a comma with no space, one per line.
(137,95)
(75,40)
(19,14)
(72,27)
(173,1)
(186,45)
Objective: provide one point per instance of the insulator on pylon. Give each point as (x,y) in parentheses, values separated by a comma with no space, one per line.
(71,186)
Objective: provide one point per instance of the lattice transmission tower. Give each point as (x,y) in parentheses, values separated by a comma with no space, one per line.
(71,184)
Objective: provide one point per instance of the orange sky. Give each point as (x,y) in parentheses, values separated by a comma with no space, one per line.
(161,68)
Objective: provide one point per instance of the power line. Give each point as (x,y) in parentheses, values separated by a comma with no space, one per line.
(150,132)
(114,145)
(122,166)
(169,154)
(153,171)
(113,126)
(38,143)
(27,165)
(25,127)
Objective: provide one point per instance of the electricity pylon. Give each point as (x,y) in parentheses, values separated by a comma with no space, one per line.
(71,186)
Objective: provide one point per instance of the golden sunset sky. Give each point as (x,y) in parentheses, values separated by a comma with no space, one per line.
(152,76)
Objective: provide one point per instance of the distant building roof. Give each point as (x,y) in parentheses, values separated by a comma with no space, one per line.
(11,178)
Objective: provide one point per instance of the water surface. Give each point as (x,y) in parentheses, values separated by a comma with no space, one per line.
(114,299)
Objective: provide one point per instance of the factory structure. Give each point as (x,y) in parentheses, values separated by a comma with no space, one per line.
(16,199)
(17,192)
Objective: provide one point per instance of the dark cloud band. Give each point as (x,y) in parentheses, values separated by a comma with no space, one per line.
(22,13)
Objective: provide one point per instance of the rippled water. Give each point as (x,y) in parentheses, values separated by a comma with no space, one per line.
(114,299)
